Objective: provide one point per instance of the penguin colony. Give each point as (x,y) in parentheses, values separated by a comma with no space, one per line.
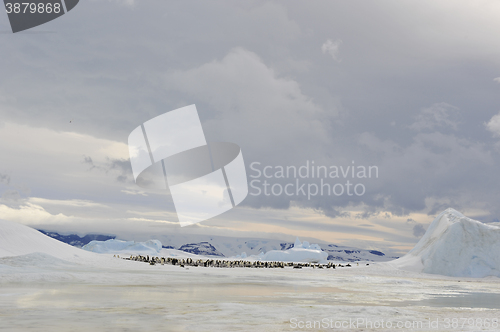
(229,264)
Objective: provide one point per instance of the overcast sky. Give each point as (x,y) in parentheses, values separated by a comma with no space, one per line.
(410,87)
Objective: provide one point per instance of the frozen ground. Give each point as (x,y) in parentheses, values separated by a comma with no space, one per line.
(66,290)
(41,293)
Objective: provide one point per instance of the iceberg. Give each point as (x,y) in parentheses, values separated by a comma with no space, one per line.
(301,252)
(113,246)
(455,246)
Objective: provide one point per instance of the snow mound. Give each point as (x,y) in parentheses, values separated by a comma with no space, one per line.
(456,246)
(301,252)
(17,240)
(113,246)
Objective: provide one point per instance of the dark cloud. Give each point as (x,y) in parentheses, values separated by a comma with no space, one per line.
(123,167)
(418,230)
(88,160)
(112,166)
(411,94)
(4,178)
(11,195)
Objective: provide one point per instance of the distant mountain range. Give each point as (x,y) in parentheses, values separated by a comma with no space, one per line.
(228,247)
(75,240)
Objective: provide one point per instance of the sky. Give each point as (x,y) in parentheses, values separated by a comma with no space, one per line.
(411,89)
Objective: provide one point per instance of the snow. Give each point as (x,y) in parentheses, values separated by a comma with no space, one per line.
(301,252)
(113,246)
(48,285)
(456,246)
(17,239)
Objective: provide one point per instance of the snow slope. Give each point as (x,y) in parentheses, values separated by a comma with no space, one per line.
(456,246)
(17,239)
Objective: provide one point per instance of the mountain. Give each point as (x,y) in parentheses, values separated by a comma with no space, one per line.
(76,240)
(456,246)
(202,248)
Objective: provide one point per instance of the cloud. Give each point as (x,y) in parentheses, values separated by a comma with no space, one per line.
(31,214)
(16,193)
(418,230)
(66,202)
(270,96)
(494,125)
(332,48)
(417,174)
(4,178)
(123,167)
(134,192)
(497,79)
(124,2)
(439,115)
(89,161)
(120,167)
(266,114)
(11,195)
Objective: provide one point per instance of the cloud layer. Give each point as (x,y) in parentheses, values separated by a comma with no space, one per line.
(404,86)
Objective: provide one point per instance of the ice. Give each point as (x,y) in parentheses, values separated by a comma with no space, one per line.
(301,252)
(456,246)
(297,243)
(315,247)
(243,255)
(296,255)
(113,246)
